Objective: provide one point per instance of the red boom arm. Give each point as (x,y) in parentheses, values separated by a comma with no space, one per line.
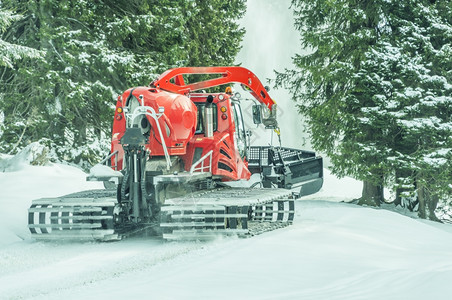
(226,75)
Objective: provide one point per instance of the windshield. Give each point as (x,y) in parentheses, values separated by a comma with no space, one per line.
(240,132)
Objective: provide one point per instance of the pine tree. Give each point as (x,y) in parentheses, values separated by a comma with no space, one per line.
(97,49)
(372,73)
(212,34)
(10,53)
(325,87)
(426,100)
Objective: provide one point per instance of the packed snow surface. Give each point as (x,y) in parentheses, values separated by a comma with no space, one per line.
(333,250)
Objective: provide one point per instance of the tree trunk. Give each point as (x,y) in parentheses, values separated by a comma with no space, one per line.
(432,204)
(427,202)
(79,132)
(372,194)
(422,201)
(404,174)
(56,129)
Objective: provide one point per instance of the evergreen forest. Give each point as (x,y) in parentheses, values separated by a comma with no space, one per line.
(376,89)
(373,79)
(64,63)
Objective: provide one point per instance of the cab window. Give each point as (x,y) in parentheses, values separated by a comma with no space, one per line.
(240,129)
(200,122)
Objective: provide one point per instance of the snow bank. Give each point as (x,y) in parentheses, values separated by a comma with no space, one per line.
(103,171)
(337,190)
(33,154)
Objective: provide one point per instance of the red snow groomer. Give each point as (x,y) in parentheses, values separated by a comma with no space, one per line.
(174,148)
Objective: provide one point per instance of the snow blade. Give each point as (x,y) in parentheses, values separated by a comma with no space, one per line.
(82,216)
(287,168)
(224,212)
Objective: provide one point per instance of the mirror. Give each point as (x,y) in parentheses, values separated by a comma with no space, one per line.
(257,114)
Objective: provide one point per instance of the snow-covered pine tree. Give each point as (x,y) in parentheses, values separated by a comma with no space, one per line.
(10,53)
(425,100)
(372,68)
(338,34)
(96,50)
(408,72)
(212,34)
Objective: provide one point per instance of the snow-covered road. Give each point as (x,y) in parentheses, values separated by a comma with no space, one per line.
(332,251)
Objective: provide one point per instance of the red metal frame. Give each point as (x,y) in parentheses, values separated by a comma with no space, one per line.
(226,75)
(170,92)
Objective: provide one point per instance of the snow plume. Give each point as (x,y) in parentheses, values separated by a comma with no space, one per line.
(269,44)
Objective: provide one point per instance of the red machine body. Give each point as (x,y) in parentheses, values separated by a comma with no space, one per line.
(178,122)
(174,120)
(228,155)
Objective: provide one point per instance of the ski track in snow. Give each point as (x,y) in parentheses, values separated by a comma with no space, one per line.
(53,268)
(332,251)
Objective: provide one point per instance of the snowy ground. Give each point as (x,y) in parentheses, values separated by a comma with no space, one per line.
(332,251)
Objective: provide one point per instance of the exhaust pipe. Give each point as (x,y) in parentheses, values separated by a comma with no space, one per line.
(208,117)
